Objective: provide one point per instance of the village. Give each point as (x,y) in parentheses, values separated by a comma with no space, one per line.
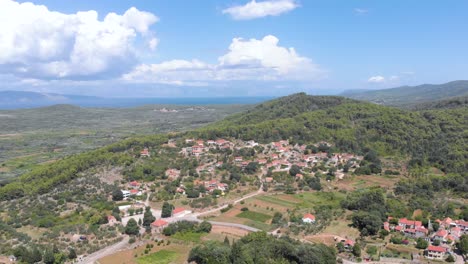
(266,162)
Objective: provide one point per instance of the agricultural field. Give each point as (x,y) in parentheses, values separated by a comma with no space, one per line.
(162,254)
(30,137)
(160,257)
(262,208)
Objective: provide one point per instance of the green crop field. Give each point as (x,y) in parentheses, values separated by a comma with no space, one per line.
(160,257)
(255,216)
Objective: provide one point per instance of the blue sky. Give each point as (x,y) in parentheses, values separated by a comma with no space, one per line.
(230,48)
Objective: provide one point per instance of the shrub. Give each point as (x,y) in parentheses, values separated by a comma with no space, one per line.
(244,209)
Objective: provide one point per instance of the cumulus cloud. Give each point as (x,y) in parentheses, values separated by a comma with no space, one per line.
(251,59)
(376,79)
(255,9)
(42,44)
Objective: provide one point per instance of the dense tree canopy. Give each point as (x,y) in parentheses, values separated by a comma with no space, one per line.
(262,248)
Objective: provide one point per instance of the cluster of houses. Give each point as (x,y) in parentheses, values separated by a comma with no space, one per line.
(276,156)
(133,190)
(441,240)
(201,147)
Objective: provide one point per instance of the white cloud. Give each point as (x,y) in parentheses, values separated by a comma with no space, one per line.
(42,44)
(246,60)
(376,79)
(153,43)
(255,9)
(361,11)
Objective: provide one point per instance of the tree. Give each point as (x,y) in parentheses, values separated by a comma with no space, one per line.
(132,227)
(357,250)
(371,250)
(49,257)
(462,245)
(148,217)
(192,193)
(217,193)
(368,221)
(166,210)
(117,195)
(251,168)
(204,227)
(72,253)
(277,217)
(421,243)
(36,255)
(450,258)
(340,246)
(60,258)
(294,170)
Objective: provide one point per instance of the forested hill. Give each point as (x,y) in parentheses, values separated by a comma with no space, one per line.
(284,107)
(455,102)
(429,137)
(408,96)
(436,137)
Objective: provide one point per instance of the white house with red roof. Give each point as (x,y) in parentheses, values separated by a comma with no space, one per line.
(463,225)
(179,212)
(441,235)
(455,233)
(221,142)
(159,225)
(308,218)
(436,252)
(386,226)
(136,192)
(405,223)
(145,153)
(134,184)
(349,244)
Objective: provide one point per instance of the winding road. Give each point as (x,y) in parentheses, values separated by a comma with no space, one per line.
(94,257)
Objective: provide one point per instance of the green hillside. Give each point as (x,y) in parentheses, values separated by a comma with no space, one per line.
(436,137)
(408,96)
(450,103)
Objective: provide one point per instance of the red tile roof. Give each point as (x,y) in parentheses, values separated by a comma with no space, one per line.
(159,223)
(134,183)
(441,233)
(178,210)
(309,216)
(436,248)
(349,242)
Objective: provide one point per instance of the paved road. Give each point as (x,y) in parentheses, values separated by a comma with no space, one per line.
(92,258)
(189,217)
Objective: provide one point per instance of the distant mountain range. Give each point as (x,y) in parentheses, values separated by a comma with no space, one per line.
(410,96)
(21,99)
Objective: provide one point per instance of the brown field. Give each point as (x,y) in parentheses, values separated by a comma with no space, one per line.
(220,232)
(401,248)
(365,181)
(33,232)
(128,256)
(326,239)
